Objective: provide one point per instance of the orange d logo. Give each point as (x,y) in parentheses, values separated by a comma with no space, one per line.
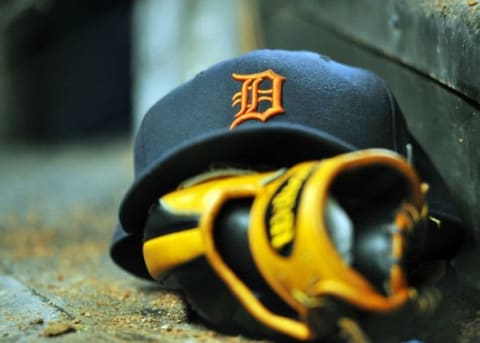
(251,94)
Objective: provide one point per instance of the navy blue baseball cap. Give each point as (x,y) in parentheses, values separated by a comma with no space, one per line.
(267,108)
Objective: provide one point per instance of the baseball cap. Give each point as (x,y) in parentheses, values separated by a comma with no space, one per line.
(264,109)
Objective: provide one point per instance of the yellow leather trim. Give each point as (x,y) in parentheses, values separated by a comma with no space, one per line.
(247,298)
(303,269)
(168,251)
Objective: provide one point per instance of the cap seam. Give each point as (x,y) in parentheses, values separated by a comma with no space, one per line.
(393,114)
(143,144)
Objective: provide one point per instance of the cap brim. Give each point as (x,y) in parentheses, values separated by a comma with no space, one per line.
(126,251)
(273,146)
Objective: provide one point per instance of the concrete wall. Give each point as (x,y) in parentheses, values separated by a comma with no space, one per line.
(429,53)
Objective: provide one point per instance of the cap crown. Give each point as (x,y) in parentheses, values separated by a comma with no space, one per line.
(325,108)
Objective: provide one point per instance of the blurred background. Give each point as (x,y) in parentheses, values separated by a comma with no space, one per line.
(74,70)
(76,77)
(79,75)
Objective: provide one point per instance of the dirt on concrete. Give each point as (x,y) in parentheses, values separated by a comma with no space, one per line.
(60,282)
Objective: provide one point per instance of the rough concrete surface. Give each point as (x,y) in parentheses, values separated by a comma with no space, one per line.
(58,208)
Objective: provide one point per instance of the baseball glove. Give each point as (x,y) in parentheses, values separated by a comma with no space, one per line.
(296,252)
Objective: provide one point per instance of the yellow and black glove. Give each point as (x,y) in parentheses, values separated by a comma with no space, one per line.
(295,252)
